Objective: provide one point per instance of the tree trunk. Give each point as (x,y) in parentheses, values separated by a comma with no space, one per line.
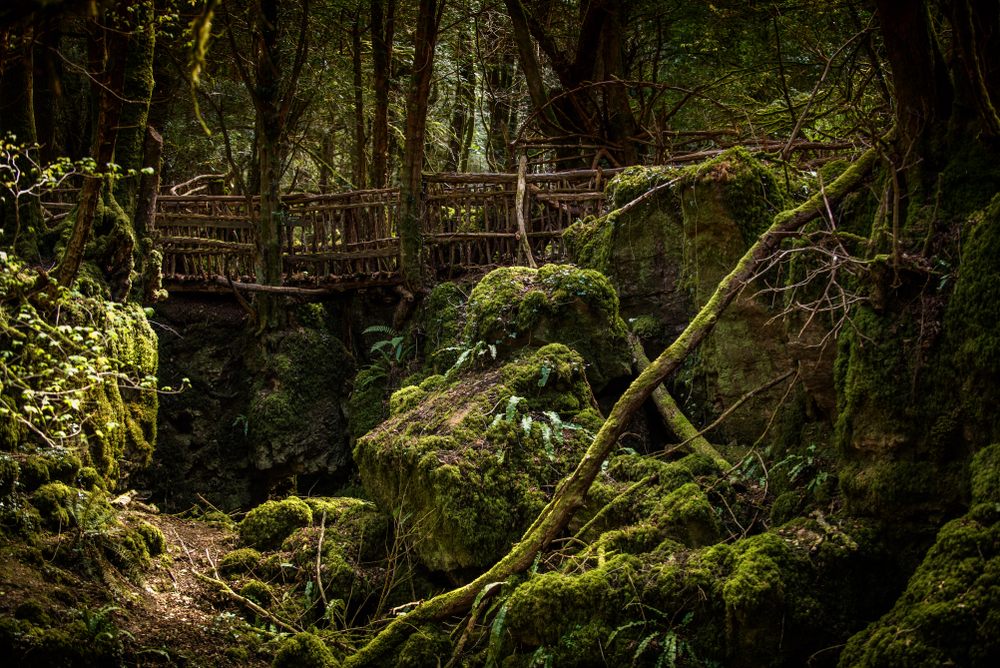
(109,47)
(135,110)
(464,114)
(499,80)
(570,494)
(270,223)
(145,218)
(22,214)
(411,196)
(383,24)
(360,162)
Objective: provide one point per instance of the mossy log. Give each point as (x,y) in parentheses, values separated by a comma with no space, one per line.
(676,421)
(571,493)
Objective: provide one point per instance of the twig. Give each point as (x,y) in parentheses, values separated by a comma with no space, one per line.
(726,414)
(224,588)
(319,554)
(634,487)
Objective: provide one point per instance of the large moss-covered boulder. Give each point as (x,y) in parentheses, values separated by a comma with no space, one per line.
(470,464)
(915,404)
(752,603)
(666,255)
(297,418)
(513,307)
(949,614)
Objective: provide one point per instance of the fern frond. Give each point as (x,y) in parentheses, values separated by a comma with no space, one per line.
(379,329)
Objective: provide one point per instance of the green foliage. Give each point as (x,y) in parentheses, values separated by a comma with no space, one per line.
(391,349)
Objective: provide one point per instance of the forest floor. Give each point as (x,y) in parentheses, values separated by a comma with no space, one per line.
(171,618)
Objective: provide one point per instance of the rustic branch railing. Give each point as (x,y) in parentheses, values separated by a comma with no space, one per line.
(469,221)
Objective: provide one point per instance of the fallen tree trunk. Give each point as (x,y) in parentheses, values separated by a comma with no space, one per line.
(570,494)
(676,421)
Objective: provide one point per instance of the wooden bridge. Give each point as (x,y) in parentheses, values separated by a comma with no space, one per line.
(350,240)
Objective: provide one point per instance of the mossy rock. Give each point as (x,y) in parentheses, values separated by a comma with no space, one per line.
(470,466)
(304,650)
(30,610)
(338,573)
(267,525)
(9,472)
(442,327)
(34,472)
(51,501)
(948,613)
(404,399)
(299,402)
(986,475)
(154,539)
(429,646)
(89,478)
(369,401)
(513,307)
(666,256)
(259,592)
(239,562)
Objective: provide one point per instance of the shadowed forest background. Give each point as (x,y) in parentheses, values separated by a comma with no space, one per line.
(514,333)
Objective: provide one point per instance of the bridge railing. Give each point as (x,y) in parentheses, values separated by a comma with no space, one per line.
(469,220)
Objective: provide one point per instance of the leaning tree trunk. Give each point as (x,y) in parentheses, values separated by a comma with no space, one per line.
(572,491)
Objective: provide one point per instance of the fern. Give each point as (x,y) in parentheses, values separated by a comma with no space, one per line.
(379,329)
(512,407)
(496,637)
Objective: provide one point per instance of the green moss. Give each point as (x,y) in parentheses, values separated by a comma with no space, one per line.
(30,610)
(34,472)
(51,500)
(155,542)
(429,646)
(304,650)
(948,613)
(404,399)
(648,327)
(368,401)
(986,475)
(267,525)
(514,307)
(239,562)
(786,507)
(89,478)
(9,472)
(258,592)
(686,515)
